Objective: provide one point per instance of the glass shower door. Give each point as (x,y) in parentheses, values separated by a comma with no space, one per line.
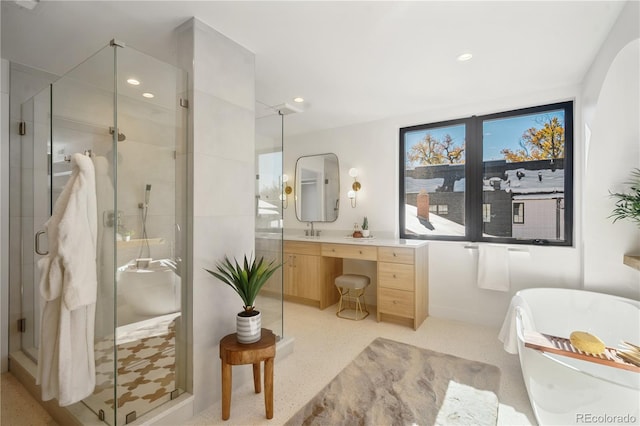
(269,225)
(35,211)
(151,200)
(82,116)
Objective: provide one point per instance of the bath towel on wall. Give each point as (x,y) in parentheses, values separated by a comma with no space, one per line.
(493,267)
(68,284)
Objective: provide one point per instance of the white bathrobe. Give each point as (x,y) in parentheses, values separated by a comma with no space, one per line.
(68,284)
(105,250)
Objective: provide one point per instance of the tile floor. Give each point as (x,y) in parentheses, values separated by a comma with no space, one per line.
(324,345)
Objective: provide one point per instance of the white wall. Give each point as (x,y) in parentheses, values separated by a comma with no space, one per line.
(612,111)
(373,149)
(221,161)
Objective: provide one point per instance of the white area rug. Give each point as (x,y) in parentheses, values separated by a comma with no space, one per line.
(393,383)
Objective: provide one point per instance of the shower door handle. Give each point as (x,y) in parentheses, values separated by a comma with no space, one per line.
(37,244)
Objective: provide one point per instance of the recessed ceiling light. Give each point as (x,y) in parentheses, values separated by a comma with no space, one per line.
(148,95)
(298,99)
(465,57)
(133,82)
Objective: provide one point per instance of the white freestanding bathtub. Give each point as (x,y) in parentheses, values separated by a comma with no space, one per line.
(566,391)
(150,290)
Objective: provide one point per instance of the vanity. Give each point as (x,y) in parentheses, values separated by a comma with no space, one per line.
(312,265)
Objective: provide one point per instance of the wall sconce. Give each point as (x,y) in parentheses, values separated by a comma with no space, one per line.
(355,186)
(286,191)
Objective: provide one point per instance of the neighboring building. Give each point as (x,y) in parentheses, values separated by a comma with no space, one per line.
(520,200)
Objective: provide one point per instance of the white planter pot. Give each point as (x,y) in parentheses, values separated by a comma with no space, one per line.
(365,233)
(249,329)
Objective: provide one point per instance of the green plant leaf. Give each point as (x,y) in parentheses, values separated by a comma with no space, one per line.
(627,205)
(246,279)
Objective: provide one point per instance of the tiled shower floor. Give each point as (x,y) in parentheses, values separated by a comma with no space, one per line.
(146,374)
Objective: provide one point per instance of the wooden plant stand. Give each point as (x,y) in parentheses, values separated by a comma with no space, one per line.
(234,353)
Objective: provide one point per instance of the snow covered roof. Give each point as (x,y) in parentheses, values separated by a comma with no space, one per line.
(533,181)
(441,226)
(538,196)
(519,181)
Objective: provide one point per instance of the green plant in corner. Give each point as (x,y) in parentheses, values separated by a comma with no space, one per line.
(365,224)
(628,204)
(246,279)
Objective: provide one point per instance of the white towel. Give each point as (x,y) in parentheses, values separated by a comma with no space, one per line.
(68,284)
(509,331)
(493,267)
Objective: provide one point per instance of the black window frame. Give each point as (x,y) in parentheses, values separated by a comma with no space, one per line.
(474,174)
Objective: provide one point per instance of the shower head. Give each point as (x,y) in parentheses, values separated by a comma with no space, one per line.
(286,109)
(121,136)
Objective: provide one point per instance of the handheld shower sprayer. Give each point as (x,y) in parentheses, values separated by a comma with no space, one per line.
(143,213)
(147,194)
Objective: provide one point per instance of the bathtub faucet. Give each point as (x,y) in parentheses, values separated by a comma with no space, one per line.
(175,264)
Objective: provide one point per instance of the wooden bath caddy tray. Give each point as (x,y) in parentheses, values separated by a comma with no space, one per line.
(563,346)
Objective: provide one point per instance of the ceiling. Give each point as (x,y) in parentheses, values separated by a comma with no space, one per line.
(352,62)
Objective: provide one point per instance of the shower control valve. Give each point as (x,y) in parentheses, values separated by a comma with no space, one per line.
(111,219)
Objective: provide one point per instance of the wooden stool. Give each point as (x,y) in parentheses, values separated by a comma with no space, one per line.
(234,353)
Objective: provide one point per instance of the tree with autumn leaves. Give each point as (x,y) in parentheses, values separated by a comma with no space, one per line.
(431,150)
(546,143)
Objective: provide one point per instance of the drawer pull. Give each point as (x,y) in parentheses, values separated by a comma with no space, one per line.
(394,254)
(360,251)
(394,276)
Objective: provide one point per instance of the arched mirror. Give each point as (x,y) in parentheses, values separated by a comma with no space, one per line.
(317,188)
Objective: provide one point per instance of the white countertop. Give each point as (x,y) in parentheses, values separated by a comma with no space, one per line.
(384,242)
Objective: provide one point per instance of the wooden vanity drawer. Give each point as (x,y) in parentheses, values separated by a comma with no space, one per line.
(349,251)
(396,275)
(301,247)
(396,302)
(396,255)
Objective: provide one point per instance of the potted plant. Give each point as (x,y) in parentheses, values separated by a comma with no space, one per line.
(628,204)
(246,279)
(365,227)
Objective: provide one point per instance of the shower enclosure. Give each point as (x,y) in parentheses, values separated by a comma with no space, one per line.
(127,111)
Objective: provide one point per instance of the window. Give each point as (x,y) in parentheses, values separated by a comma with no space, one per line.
(518,212)
(471,179)
(486,212)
